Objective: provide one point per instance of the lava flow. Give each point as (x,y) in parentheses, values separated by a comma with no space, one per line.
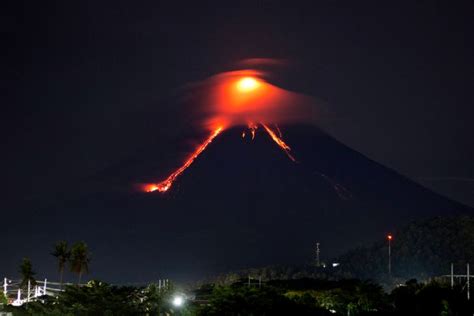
(279,141)
(239,98)
(164,185)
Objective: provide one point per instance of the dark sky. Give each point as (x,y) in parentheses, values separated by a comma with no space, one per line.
(89,84)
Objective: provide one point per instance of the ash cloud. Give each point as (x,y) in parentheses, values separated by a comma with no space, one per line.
(221,101)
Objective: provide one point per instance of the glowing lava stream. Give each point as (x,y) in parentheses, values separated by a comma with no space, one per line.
(243,98)
(279,142)
(164,185)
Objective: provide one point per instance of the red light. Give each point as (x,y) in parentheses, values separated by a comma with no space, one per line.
(389,237)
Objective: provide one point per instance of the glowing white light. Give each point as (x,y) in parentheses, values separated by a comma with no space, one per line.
(178,301)
(247,84)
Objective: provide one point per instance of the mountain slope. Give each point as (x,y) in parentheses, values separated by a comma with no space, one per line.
(241,204)
(422,249)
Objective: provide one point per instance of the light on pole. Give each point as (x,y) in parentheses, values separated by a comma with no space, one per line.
(178,301)
(389,238)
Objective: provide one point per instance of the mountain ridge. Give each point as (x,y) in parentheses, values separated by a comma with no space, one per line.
(245,203)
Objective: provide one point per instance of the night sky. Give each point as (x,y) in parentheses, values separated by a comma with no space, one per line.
(92,102)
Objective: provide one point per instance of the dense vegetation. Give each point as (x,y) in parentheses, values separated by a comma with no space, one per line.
(421,250)
(295,297)
(345,297)
(278,297)
(98,298)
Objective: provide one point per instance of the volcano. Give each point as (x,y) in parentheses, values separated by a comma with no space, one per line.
(241,204)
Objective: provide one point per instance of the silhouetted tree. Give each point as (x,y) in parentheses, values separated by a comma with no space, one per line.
(27,273)
(62,254)
(79,259)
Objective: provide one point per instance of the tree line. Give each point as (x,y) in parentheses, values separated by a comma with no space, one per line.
(77,258)
(421,250)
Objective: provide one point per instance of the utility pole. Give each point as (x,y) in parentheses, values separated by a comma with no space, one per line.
(29,291)
(389,237)
(452,276)
(467,285)
(317,255)
(5,287)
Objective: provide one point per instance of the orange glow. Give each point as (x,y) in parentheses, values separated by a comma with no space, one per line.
(247,84)
(150,187)
(164,185)
(239,98)
(389,237)
(253,129)
(279,142)
(235,98)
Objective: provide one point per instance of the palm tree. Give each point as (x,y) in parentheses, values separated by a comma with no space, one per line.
(62,254)
(27,273)
(79,259)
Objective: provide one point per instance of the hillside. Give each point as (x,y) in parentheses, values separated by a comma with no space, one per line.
(245,204)
(420,250)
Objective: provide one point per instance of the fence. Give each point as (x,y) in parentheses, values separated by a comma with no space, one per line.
(18,295)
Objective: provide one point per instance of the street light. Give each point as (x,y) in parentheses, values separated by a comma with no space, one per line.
(178,301)
(389,238)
